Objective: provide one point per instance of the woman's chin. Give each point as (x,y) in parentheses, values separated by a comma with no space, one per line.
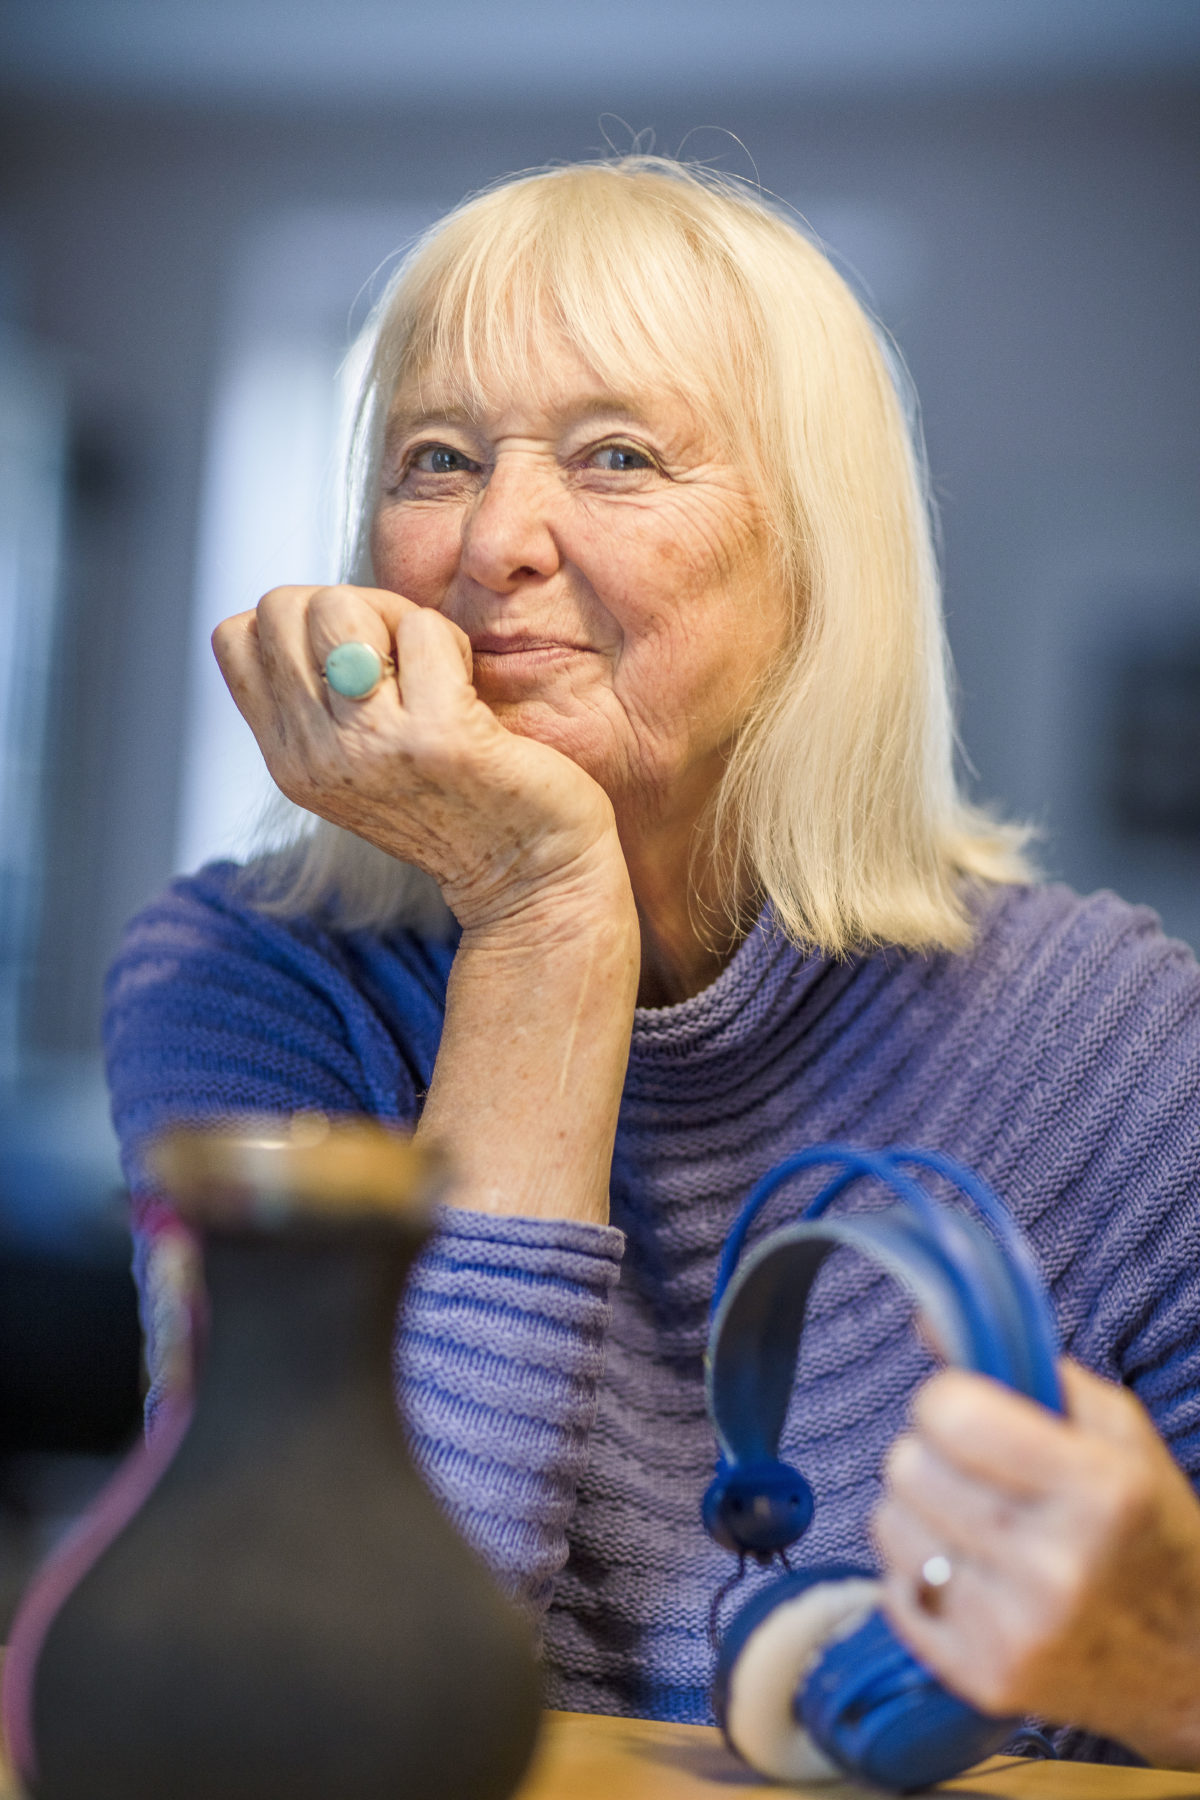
(568,733)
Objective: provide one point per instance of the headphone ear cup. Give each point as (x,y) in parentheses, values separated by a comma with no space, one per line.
(882,1716)
(757,1508)
(770,1648)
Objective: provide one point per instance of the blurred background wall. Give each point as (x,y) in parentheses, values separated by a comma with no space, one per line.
(195,201)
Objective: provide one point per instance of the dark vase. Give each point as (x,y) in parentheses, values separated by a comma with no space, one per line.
(267,1604)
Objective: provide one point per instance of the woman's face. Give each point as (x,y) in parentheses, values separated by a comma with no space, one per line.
(606,558)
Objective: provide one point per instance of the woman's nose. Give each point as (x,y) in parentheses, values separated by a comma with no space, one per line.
(508,535)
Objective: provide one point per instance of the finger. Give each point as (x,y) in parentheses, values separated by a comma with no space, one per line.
(285,649)
(985,1429)
(389,608)
(343,614)
(905,1541)
(929,1619)
(1103,1407)
(351,615)
(283,735)
(236,647)
(962,1639)
(959,1625)
(433,672)
(958,1510)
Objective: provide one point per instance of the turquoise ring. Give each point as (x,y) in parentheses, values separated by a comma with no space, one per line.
(355,670)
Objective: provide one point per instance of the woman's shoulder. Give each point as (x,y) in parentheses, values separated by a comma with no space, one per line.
(214,1005)
(1085,994)
(223,915)
(1096,1015)
(195,915)
(1056,936)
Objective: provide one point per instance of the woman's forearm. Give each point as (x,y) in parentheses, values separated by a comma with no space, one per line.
(528,1079)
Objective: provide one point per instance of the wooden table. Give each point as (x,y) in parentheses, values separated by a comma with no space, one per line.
(585,1757)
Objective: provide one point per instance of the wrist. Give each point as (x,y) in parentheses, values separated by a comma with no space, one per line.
(587,901)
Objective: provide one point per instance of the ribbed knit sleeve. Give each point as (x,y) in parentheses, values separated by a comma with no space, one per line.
(214,1010)
(498,1365)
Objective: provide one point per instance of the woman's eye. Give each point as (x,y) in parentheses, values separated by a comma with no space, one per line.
(620,459)
(440,459)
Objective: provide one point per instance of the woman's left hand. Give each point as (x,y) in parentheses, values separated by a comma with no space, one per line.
(1074,1546)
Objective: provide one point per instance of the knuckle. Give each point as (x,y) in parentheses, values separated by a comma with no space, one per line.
(276,600)
(334,599)
(902,1460)
(360,746)
(884,1527)
(1115,1497)
(1132,1498)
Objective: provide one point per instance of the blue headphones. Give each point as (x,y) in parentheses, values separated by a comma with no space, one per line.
(811,1681)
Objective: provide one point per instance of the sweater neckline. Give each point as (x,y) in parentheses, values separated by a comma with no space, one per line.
(734,1004)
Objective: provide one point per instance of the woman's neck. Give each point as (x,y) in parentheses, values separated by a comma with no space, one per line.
(676,961)
(683,906)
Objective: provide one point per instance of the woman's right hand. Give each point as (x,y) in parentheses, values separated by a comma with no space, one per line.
(421,768)
(524,846)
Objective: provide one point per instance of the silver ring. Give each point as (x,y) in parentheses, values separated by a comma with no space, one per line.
(355,670)
(936,1574)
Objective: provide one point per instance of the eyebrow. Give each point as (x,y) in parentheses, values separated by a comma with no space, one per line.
(402,421)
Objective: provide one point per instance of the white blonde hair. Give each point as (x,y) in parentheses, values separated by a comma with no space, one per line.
(839,804)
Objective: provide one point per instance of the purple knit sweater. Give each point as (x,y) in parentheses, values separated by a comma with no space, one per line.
(559,1415)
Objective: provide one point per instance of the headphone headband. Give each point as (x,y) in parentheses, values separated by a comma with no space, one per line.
(983,1298)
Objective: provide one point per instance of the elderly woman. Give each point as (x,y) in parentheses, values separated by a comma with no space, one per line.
(640,864)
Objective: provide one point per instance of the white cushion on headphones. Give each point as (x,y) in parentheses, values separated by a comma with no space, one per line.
(760,1717)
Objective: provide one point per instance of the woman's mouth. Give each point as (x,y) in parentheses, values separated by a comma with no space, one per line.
(513,654)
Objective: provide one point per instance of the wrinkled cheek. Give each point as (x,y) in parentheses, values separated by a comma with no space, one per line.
(414,554)
(683,684)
